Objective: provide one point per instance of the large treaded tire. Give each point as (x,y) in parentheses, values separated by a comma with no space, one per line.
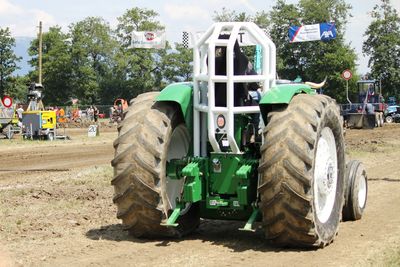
(141,151)
(287,169)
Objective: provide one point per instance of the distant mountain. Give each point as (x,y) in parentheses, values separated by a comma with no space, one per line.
(21,49)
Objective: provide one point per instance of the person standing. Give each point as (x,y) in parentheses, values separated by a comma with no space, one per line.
(89,113)
(19,112)
(95,113)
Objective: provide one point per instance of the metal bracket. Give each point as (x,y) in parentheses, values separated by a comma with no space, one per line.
(249,224)
(171,222)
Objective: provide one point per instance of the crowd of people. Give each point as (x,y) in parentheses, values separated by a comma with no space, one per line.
(76,114)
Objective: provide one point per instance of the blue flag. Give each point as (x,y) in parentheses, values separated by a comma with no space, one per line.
(314,32)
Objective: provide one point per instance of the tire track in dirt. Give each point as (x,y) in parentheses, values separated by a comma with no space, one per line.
(55,158)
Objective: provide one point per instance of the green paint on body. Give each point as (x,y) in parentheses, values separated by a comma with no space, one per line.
(283,94)
(181,93)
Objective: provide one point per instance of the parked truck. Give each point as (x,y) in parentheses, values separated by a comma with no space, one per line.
(368,110)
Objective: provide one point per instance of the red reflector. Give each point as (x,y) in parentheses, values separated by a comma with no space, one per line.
(221,121)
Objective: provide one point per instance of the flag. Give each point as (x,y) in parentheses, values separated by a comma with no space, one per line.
(185,39)
(314,32)
(148,39)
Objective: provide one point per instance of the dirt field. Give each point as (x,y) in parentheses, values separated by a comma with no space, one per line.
(56,210)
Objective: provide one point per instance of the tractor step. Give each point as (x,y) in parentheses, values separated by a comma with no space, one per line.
(249,224)
(171,222)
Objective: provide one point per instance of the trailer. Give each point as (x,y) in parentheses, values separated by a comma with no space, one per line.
(9,123)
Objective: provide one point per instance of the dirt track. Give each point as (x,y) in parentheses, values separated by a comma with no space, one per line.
(56,210)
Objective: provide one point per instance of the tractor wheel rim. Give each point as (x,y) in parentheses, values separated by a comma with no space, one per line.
(177,149)
(325,175)
(362,191)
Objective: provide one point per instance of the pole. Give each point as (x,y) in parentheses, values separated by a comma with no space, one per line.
(40,52)
(347,91)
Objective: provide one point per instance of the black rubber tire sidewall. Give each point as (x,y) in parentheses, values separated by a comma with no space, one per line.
(328,229)
(352,211)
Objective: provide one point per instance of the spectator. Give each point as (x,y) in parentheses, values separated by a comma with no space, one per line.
(89,113)
(61,115)
(19,112)
(95,113)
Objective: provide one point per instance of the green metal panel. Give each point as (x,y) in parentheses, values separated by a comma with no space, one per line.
(223,178)
(192,187)
(243,174)
(283,94)
(181,93)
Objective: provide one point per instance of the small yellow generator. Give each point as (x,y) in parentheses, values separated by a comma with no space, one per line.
(38,123)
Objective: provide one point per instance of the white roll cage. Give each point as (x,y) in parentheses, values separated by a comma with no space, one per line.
(205,79)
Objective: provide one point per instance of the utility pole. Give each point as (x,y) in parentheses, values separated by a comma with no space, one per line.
(40,52)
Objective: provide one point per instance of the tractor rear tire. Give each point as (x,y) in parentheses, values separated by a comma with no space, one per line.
(302,172)
(148,137)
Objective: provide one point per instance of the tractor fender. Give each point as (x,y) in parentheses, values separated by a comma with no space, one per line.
(182,95)
(282,95)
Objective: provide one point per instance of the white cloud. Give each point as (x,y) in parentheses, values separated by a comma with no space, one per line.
(23,21)
(249,6)
(186,12)
(7,9)
(354,33)
(396,5)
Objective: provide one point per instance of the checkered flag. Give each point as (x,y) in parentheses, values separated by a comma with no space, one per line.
(185,39)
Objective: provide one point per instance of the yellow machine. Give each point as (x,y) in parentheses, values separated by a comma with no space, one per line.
(37,122)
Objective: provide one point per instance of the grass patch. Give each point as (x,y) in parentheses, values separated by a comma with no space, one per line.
(394,259)
(390,257)
(95,176)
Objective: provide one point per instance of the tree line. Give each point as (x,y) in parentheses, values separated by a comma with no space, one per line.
(95,63)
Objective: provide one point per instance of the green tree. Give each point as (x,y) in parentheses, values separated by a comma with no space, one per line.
(18,88)
(310,60)
(313,60)
(178,64)
(383,47)
(138,69)
(56,65)
(230,15)
(8,59)
(92,49)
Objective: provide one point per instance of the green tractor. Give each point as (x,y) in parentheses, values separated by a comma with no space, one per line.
(209,150)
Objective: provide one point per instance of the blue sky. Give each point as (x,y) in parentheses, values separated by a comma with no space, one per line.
(23,16)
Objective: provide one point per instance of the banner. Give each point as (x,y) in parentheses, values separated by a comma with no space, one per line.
(148,40)
(314,32)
